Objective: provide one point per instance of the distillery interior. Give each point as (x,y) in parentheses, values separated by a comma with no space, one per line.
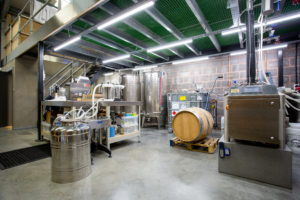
(150,99)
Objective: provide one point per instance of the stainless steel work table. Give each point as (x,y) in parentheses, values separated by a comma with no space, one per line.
(107,105)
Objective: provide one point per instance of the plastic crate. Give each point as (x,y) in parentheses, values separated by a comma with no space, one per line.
(128,129)
(46,128)
(127,121)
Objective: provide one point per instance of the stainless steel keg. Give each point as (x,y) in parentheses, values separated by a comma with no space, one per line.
(70,148)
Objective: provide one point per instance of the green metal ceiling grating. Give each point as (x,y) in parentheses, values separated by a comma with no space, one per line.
(216,13)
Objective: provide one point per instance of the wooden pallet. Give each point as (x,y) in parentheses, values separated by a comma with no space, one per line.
(207,145)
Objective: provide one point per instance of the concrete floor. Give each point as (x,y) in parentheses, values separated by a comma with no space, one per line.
(147,170)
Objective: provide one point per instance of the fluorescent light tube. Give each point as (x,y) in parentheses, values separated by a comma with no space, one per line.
(256,25)
(137,68)
(234,30)
(127,14)
(116,58)
(271,47)
(108,74)
(236,53)
(170,45)
(266,48)
(67,43)
(282,19)
(190,60)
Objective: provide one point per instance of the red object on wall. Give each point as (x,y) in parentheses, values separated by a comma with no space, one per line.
(296,2)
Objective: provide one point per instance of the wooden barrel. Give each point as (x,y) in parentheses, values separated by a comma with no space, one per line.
(192,124)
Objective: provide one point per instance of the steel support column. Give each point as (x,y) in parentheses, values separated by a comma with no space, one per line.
(40,87)
(250,43)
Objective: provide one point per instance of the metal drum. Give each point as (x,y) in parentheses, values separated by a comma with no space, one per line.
(153,84)
(132,91)
(70,148)
(192,124)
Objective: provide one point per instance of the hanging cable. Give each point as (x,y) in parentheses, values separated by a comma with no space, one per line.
(260,52)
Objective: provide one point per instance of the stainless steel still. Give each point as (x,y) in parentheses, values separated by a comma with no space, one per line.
(153,88)
(132,91)
(109,92)
(70,148)
(118,94)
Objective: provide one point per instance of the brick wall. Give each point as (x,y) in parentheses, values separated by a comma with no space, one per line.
(186,76)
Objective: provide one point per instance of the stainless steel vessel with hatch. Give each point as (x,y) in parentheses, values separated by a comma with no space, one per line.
(132,90)
(254,113)
(153,84)
(70,148)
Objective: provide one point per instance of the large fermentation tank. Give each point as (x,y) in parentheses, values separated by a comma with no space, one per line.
(132,91)
(153,89)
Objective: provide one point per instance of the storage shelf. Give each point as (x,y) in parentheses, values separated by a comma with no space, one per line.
(126,136)
(69,103)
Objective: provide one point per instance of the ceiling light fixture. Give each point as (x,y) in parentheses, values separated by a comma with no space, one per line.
(190,60)
(137,68)
(120,17)
(283,19)
(67,43)
(234,30)
(108,74)
(116,58)
(272,47)
(170,45)
(237,53)
(269,22)
(266,48)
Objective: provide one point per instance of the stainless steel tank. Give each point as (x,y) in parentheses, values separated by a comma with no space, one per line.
(109,92)
(118,94)
(153,89)
(132,91)
(70,148)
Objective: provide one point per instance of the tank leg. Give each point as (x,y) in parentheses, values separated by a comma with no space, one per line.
(143,121)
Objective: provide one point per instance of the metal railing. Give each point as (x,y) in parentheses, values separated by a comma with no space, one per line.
(29,21)
(65,76)
(57,73)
